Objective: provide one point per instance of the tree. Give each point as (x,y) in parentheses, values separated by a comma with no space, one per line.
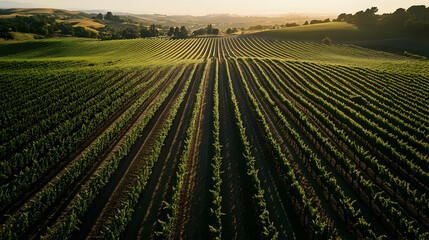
(130,33)
(153,31)
(257,27)
(341,18)
(177,32)
(116,18)
(231,30)
(306,23)
(66,29)
(144,32)
(291,24)
(395,21)
(99,16)
(183,32)
(200,31)
(5,31)
(209,29)
(170,32)
(81,32)
(366,19)
(109,16)
(215,31)
(316,21)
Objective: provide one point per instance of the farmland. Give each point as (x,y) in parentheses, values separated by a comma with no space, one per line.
(212,137)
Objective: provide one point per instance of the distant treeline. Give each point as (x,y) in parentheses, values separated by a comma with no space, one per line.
(414,21)
(113,33)
(315,21)
(108,16)
(44,26)
(41,25)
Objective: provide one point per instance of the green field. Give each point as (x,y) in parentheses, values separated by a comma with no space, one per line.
(337,31)
(213,138)
(127,53)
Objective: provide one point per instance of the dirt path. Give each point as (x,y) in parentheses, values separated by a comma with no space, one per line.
(159,186)
(193,212)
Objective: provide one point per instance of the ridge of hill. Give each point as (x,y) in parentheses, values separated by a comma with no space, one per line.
(50,12)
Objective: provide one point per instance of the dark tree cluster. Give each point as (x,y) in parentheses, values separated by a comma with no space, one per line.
(45,26)
(178,33)
(39,24)
(290,25)
(113,33)
(208,30)
(82,32)
(257,27)
(111,17)
(231,30)
(152,31)
(315,21)
(414,21)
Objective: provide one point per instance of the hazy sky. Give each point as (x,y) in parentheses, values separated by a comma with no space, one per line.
(243,7)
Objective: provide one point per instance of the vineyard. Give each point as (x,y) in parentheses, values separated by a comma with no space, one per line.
(212,138)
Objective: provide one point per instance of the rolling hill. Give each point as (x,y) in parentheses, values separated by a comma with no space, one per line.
(50,12)
(342,32)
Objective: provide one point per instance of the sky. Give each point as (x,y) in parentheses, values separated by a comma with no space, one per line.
(241,7)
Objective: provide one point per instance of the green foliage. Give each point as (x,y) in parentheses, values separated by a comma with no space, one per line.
(231,30)
(82,32)
(415,56)
(179,33)
(320,21)
(327,41)
(99,16)
(38,24)
(111,17)
(291,24)
(414,21)
(208,30)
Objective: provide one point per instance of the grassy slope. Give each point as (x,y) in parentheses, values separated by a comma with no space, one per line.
(136,51)
(344,32)
(17,36)
(58,13)
(88,24)
(338,31)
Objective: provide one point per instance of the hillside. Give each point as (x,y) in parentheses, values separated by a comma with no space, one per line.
(56,13)
(342,32)
(337,31)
